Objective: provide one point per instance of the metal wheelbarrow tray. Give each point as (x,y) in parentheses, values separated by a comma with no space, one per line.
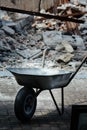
(39,79)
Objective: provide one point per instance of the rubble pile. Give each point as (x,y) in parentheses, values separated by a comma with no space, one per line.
(25,38)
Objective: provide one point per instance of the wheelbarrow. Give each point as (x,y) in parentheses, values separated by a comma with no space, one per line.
(35,80)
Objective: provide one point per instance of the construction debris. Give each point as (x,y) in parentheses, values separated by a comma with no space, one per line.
(23,38)
(65,58)
(68,47)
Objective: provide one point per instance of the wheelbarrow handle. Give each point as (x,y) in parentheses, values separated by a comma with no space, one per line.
(84,59)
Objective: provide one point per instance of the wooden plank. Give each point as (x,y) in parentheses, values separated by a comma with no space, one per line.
(46,4)
(28,5)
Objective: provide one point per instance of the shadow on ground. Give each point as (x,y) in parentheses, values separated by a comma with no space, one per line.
(42,119)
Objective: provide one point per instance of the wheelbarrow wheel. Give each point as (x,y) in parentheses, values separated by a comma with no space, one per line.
(25,104)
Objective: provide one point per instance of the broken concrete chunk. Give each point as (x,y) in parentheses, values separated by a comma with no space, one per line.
(83,26)
(65,58)
(67,46)
(4,46)
(8,30)
(79,42)
(2,33)
(37,37)
(26,22)
(21,24)
(10,24)
(83,2)
(17,16)
(52,38)
(84,32)
(12,42)
(28,53)
(6,23)
(68,38)
(32,43)
(59,47)
(2,14)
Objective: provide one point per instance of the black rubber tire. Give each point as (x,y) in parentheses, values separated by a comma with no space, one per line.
(25,104)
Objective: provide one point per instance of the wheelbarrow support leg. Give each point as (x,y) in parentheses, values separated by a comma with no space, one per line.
(62,101)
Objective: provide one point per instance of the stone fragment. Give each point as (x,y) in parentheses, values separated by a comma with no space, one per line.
(83,2)
(21,24)
(59,47)
(17,16)
(28,53)
(52,38)
(10,24)
(0,23)
(8,30)
(68,38)
(2,33)
(84,32)
(12,42)
(3,14)
(4,59)
(7,23)
(67,46)
(65,58)
(32,43)
(4,46)
(79,42)
(27,21)
(83,26)
(37,37)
